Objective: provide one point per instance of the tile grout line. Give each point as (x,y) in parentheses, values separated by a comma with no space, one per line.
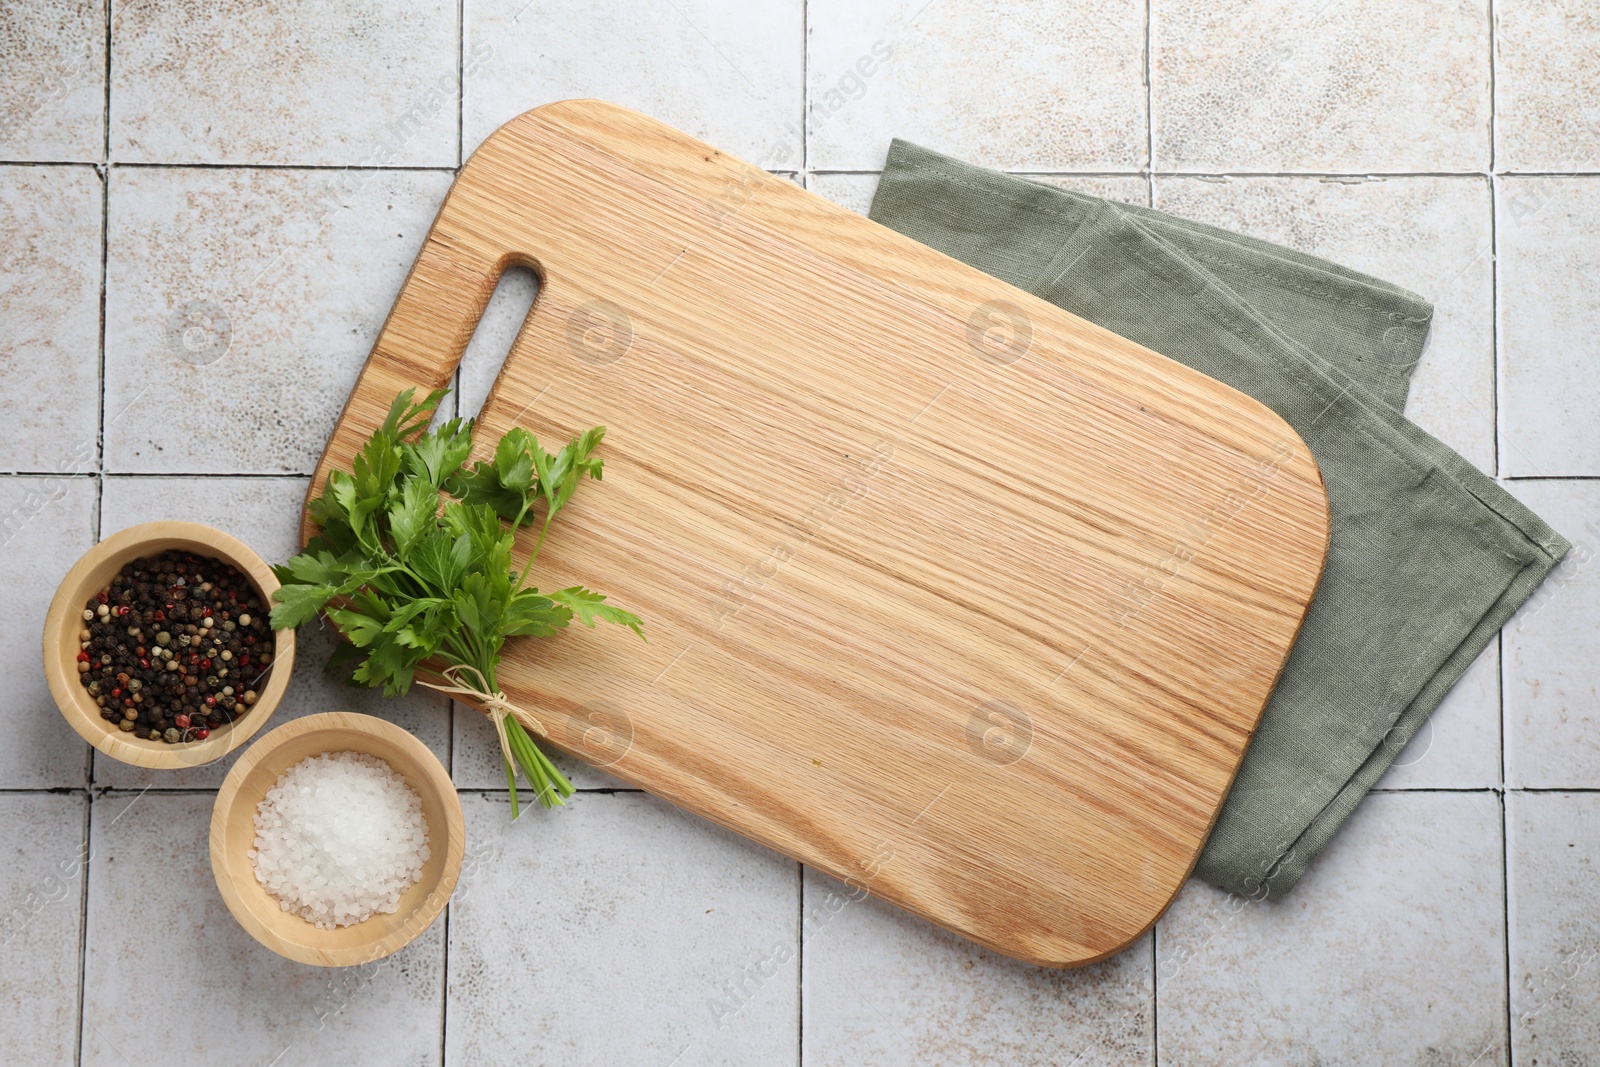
(444,987)
(99,792)
(1494,401)
(1494,102)
(805,90)
(1065,172)
(1155,997)
(461,82)
(158,474)
(800,966)
(1150,201)
(146,164)
(1500,693)
(105,142)
(1332,175)
(198,790)
(1494,273)
(1505,930)
(307,474)
(83,923)
(800,875)
(99,514)
(1149,107)
(450,705)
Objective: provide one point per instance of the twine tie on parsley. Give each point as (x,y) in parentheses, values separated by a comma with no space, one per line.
(495,705)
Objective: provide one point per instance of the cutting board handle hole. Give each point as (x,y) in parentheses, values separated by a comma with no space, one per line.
(497,330)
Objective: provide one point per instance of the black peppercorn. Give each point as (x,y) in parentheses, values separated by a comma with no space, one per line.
(131,636)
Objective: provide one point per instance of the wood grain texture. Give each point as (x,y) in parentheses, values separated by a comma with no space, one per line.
(949,593)
(233,835)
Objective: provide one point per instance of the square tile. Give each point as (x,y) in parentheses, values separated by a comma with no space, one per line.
(1552,651)
(1553,840)
(264,513)
(1458,747)
(1433,236)
(1391,950)
(1547,60)
(1350,87)
(885,987)
(1549,249)
(620,930)
(53,97)
(854,191)
(1025,86)
(46,523)
(50,335)
(171,977)
(726,72)
(296,82)
(43,854)
(241,304)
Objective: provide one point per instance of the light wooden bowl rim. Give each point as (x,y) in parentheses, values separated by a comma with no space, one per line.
(94,572)
(291,936)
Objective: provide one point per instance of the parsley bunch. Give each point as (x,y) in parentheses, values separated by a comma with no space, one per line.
(420,588)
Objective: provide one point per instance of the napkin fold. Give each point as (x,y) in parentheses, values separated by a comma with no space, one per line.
(1428,556)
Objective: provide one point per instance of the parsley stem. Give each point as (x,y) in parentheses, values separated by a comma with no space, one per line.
(528,566)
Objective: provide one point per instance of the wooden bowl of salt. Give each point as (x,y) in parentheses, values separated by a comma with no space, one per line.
(234,840)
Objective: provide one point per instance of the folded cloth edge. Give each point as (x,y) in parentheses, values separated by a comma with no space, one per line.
(1547,547)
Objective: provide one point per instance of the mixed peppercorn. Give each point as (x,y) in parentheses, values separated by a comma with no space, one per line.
(176,647)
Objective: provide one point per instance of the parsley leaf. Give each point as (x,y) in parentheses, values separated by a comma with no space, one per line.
(417,587)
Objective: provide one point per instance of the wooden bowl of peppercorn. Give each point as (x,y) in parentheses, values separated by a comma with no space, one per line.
(158,649)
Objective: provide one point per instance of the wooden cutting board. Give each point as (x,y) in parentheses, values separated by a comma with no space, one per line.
(949,594)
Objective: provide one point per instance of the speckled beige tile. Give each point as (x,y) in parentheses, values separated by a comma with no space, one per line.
(1553,841)
(289,82)
(1391,950)
(854,191)
(1552,651)
(46,523)
(265,514)
(50,332)
(884,987)
(1023,86)
(240,305)
(1351,86)
(53,95)
(43,853)
(727,73)
(1458,746)
(1549,247)
(620,930)
(1431,235)
(171,977)
(1547,60)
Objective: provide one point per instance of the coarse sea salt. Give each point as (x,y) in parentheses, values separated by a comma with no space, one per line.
(339,838)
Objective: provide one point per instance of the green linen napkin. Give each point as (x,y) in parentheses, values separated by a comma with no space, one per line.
(1428,557)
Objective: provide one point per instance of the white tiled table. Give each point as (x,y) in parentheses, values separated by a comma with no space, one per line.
(268,171)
